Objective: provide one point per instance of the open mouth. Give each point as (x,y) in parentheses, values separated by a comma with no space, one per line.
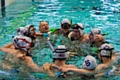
(46,28)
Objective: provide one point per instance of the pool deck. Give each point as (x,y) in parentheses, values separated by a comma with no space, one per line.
(4,3)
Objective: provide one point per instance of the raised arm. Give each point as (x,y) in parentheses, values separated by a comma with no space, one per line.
(7,48)
(38,34)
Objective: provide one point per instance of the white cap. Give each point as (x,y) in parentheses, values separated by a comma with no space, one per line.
(61,52)
(96,31)
(65,21)
(27,26)
(22,42)
(105,49)
(21,31)
(81,29)
(89,62)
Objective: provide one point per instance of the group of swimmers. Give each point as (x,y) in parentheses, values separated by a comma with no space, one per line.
(25,40)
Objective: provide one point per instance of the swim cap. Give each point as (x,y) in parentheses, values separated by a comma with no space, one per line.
(80,27)
(65,21)
(105,50)
(96,31)
(28,28)
(61,52)
(65,24)
(22,42)
(21,31)
(89,62)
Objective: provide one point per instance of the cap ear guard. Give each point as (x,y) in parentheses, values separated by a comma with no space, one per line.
(105,53)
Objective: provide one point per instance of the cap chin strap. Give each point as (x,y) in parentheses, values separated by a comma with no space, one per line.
(81,31)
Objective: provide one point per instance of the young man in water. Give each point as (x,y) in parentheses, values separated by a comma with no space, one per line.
(65,28)
(105,56)
(78,33)
(43,28)
(60,55)
(96,38)
(28,31)
(18,54)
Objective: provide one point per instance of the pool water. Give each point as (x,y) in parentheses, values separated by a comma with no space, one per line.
(104,14)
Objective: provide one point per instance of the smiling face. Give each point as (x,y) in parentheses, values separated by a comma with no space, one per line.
(43,27)
(76,34)
(91,36)
(96,38)
(65,31)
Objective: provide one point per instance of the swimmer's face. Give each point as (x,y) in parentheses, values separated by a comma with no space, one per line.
(65,28)
(96,38)
(32,31)
(65,31)
(76,34)
(91,36)
(43,27)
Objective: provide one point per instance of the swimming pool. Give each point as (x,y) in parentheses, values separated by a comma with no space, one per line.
(93,13)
